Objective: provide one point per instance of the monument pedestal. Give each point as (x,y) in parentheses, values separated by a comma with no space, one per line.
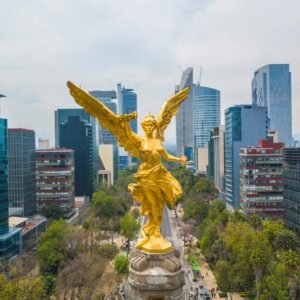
(156,276)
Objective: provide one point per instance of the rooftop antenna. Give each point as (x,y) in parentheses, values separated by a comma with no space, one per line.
(200,76)
(1,96)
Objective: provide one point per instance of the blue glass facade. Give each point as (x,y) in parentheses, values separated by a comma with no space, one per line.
(10,239)
(206,113)
(10,244)
(21,175)
(271,87)
(76,134)
(106,97)
(291,188)
(245,125)
(127,101)
(197,115)
(123,162)
(3,178)
(61,116)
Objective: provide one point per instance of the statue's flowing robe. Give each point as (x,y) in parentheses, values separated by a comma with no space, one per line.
(160,183)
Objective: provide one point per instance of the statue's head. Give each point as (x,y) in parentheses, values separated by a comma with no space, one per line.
(149,123)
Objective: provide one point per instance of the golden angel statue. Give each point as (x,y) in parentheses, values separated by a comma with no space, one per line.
(154,186)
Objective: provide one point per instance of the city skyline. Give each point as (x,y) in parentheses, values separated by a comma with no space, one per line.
(221,36)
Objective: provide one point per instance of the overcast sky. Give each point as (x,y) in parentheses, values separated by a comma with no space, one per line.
(143,44)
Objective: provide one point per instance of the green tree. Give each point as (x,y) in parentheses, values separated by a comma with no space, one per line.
(102,205)
(260,257)
(21,288)
(275,284)
(205,186)
(225,276)
(121,263)
(291,261)
(52,211)
(285,240)
(52,248)
(129,226)
(255,222)
(196,210)
(272,229)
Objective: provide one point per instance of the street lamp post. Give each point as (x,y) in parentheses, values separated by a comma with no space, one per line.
(1,96)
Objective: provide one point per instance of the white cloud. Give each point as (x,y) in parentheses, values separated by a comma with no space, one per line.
(140,44)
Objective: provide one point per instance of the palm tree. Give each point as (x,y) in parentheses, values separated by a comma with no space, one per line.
(259,259)
(285,240)
(291,261)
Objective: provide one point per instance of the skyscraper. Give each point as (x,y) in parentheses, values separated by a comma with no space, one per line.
(291,188)
(21,172)
(61,116)
(127,103)
(197,115)
(77,134)
(216,157)
(245,125)
(3,177)
(206,113)
(271,87)
(106,97)
(184,117)
(10,238)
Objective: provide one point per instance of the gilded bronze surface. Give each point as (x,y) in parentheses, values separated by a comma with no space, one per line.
(154,186)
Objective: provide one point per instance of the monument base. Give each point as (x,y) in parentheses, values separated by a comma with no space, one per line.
(156,276)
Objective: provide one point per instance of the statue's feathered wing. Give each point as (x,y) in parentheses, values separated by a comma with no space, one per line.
(106,118)
(168,110)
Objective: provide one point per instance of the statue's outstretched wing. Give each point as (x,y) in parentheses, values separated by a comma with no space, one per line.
(117,125)
(168,110)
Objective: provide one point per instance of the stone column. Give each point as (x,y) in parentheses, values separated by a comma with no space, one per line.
(156,276)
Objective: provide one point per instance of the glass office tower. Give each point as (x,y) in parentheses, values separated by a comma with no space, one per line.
(245,125)
(291,188)
(127,102)
(271,87)
(77,134)
(3,177)
(21,177)
(61,116)
(10,238)
(206,114)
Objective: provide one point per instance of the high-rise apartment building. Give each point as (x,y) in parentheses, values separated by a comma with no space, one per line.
(21,172)
(291,188)
(10,238)
(77,134)
(245,125)
(55,178)
(271,87)
(197,115)
(261,182)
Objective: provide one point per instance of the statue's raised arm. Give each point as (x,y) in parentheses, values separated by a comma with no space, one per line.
(117,125)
